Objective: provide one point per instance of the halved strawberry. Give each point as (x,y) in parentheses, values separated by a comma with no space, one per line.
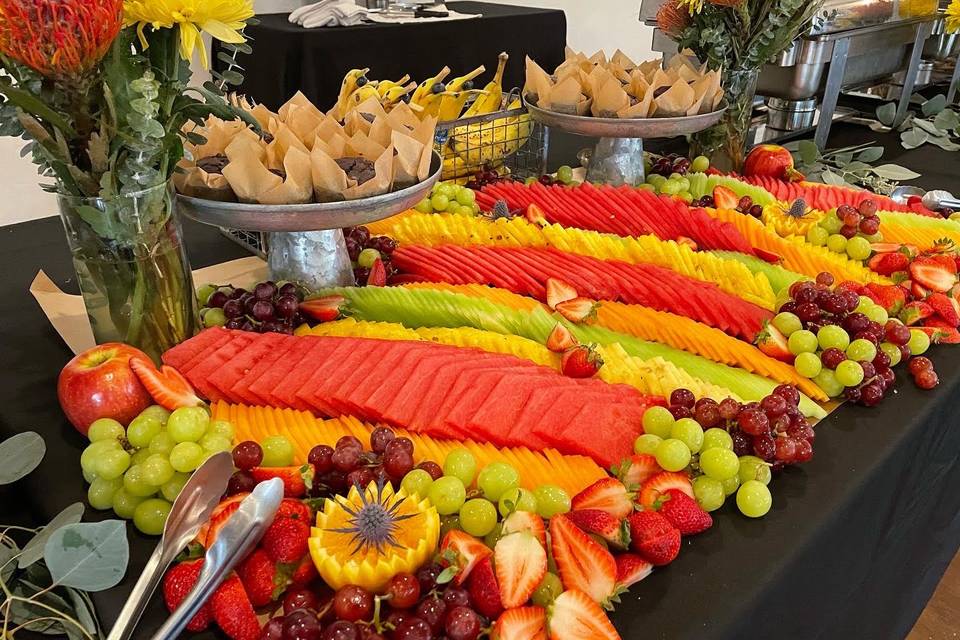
(521,623)
(915,313)
(520,562)
(581,562)
(231,609)
(918,291)
(724,198)
(890,297)
(483,589)
(574,616)
(559,291)
(888,263)
(636,469)
(323,309)
(304,573)
(942,335)
(653,489)
(888,247)
(653,537)
(631,569)
(767,256)
(534,215)
(773,343)
(460,552)
(296,479)
(937,273)
(684,513)
(525,521)
(580,361)
(613,530)
(221,513)
(378,274)
(262,578)
(946,307)
(295,509)
(578,310)
(560,339)
(606,494)
(166,385)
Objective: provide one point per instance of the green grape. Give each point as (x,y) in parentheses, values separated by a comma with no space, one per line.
(493,536)
(496,478)
(709,493)
(111,464)
(754,468)
(213,317)
(466,197)
(862,349)
(447,494)
(656,180)
(453,207)
(446,189)
(187,456)
(754,499)
(892,351)
(221,428)
(802,341)
(877,314)
(188,424)
(658,421)
(100,493)
(689,432)
(827,381)
(646,443)
(833,336)
(730,485)
(135,484)
(150,516)
(787,322)
(529,180)
(439,202)
(204,292)
(849,373)
(517,499)
(919,342)
(157,470)
(105,429)
(719,463)
(124,504)
(836,243)
(460,464)
(142,429)
(676,175)
(424,206)
(163,443)
(858,248)
(215,443)
(416,482)
(817,235)
(160,413)
(551,500)
(808,364)
(672,454)
(88,476)
(549,588)
(474,208)
(368,256)
(864,304)
(478,517)
(646,186)
(91,455)
(565,174)
(700,164)
(670,187)
(832,224)
(449,523)
(277,452)
(172,488)
(686,196)
(716,438)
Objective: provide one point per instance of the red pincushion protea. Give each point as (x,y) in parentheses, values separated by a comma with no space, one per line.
(59,38)
(672,18)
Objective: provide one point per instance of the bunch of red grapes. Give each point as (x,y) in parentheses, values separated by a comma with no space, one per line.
(487,174)
(862,219)
(921,368)
(359,239)
(672,163)
(745,205)
(267,309)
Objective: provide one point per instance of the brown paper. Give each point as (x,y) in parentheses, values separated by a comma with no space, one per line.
(675,101)
(302,117)
(380,183)
(538,82)
(191,180)
(620,58)
(329,180)
(610,99)
(253,181)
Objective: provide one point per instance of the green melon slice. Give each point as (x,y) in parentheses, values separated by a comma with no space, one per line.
(778,277)
(702,185)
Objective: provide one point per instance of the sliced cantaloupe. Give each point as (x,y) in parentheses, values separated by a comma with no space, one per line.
(920,231)
(572,473)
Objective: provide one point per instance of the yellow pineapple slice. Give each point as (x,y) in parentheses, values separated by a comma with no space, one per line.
(777,217)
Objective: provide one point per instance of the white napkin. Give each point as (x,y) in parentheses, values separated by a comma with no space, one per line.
(328,13)
(386,18)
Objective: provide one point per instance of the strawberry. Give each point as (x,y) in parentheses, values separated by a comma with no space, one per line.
(166,385)
(773,343)
(892,247)
(917,291)
(767,256)
(656,487)
(233,612)
(724,198)
(578,310)
(560,339)
(286,540)
(581,361)
(601,523)
(606,494)
(631,569)
(636,469)
(890,297)
(323,309)
(520,562)
(177,583)
(460,552)
(856,287)
(888,263)
(581,562)
(221,513)
(534,215)
(574,616)
(378,274)
(559,291)
(915,312)
(653,537)
(296,479)
(261,579)
(483,589)
(304,573)
(942,335)
(946,307)
(296,509)
(525,521)
(521,623)
(937,273)
(685,514)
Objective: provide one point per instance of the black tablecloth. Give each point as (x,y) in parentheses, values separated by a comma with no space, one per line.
(854,546)
(288,58)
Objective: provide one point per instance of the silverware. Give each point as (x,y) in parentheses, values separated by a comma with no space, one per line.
(933,200)
(237,537)
(901,194)
(190,511)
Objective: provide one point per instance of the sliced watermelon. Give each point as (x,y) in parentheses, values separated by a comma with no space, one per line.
(321,357)
(179,355)
(201,373)
(407,396)
(232,371)
(281,354)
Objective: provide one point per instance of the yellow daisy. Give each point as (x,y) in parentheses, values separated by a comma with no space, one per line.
(222,19)
(953,17)
(693,6)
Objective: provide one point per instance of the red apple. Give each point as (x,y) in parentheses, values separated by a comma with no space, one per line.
(772,161)
(99,383)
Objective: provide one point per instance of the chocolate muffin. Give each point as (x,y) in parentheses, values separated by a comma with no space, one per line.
(356,168)
(213,164)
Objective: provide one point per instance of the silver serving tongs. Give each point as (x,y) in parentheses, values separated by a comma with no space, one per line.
(237,537)
(192,508)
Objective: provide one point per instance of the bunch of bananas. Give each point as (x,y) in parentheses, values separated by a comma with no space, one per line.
(357,88)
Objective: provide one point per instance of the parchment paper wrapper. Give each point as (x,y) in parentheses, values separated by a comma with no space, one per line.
(676,100)
(538,83)
(192,180)
(622,59)
(331,183)
(302,117)
(609,99)
(402,118)
(253,181)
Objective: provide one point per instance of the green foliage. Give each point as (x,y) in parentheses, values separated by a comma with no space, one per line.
(848,166)
(937,123)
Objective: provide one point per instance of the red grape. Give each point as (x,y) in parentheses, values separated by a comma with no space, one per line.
(881,359)
(360,477)
(754,423)
(855,322)
(341,630)
(868,207)
(432,611)
(918,364)
(781,424)
(345,459)
(789,393)
(904,352)
(265,291)
(379,438)
(413,629)
(427,575)
(897,332)
(808,312)
(764,447)
(926,379)
(273,630)
(788,307)
(290,289)
(397,462)
(851,218)
(682,398)
(359,233)
(286,306)
(869,226)
(679,412)
(240,482)
(850,298)
(262,310)
(351,442)
(404,590)
(742,443)
(233,309)
(353,603)
(321,457)
(400,443)
(463,623)
(785,448)
(825,278)
(889,377)
(301,625)
(773,405)
(299,599)
(431,467)
(852,393)
(217,299)
(806,294)
(803,451)
(745,203)
(729,408)
(247,455)
(871,395)
(867,335)
(834,303)
(456,597)
(707,412)
(832,357)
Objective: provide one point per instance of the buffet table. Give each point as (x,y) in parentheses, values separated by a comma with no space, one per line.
(855,544)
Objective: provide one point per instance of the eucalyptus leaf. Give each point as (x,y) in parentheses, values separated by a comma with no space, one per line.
(19,455)
(98,220)
(8,551)
(843,159)
(944,143)
(84,613)
(913,138)
(860,168)
(928,127)
(33,550)
(934,105)
(36,607)
(89,556)
(829,177)
(947,120)
(895,172)
(870,154)
(809,151)
(886,113)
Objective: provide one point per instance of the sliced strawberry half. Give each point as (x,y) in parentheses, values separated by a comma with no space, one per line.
(574,616)
(578,310)
(636,470)
(767,256)
(483,589)
(915,312)
(942,335)
(656,487)
(521,623)
(724,198)
(534,215)
(166,385)
(614,530)
(581,361)
(945,307)
(607,494)
(773,343)
(459,553)
(378,274)
(525,521)
(559,291)
(520,562)
(296,479)
(937,273)
(323,309)
(888,263)
(582,563)
(631,569)
(221,513)
(890,297)
(560,339)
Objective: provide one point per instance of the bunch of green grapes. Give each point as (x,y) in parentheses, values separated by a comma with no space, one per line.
(447,197)
(139,470)
(848,230)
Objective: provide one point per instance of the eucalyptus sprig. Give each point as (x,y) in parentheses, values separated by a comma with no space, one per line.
(848,166)
(937,123)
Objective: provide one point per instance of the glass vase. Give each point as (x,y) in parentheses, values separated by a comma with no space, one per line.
(725,143)
(132,268)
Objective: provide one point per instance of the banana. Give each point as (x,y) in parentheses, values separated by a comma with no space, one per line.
(386,85)
(490,102)
(492,141)
(359,95)
(452,105)
(425,88)
(430,104)
(458,83)
(350,83)
(393,95)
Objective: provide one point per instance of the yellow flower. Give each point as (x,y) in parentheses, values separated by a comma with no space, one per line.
(953,17)
(693,6)
(222,19)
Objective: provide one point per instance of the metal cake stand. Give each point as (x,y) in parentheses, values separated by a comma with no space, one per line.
(305,242)
(617,158)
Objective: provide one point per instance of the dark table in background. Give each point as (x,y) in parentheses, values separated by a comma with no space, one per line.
(853,548)
(289,58)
